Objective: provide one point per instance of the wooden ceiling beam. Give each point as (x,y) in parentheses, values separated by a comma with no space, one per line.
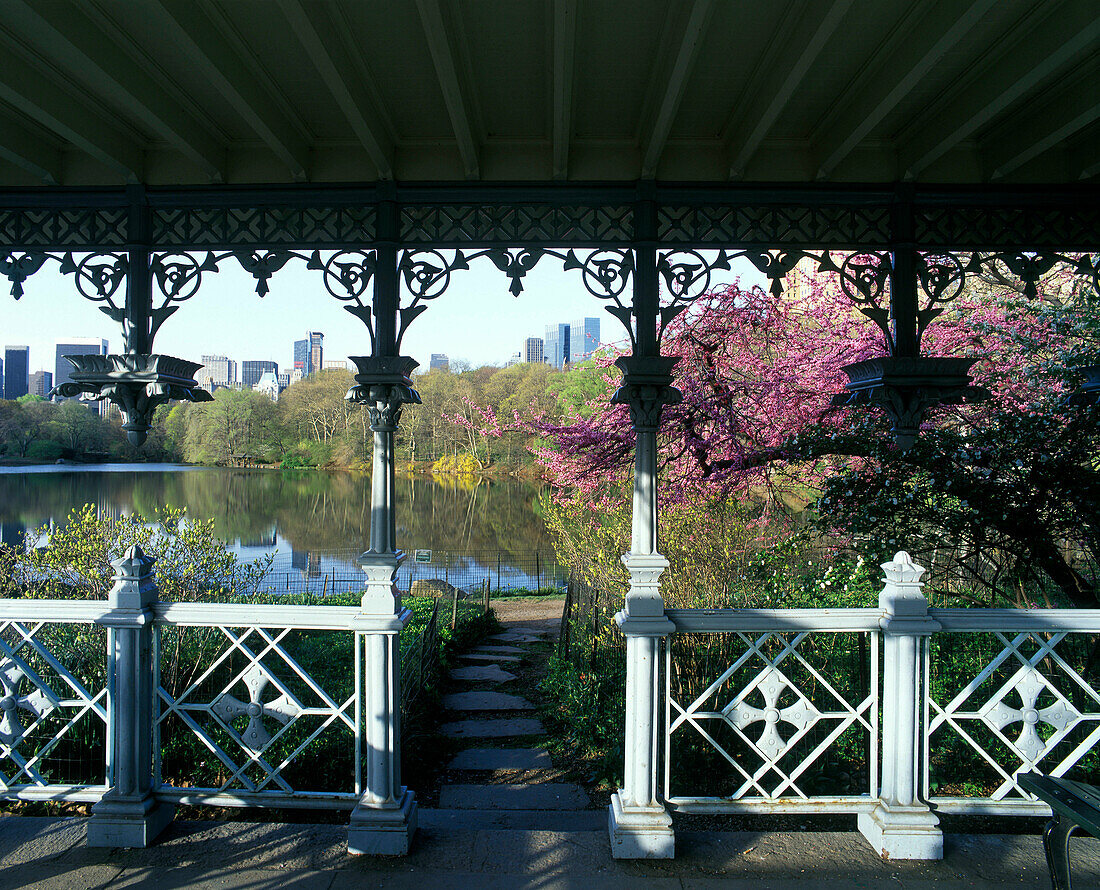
(1047,123)
(674,85)
(213,58)
(808,38)
(882,87)
(78,45)
(450,83)
(58,108)
(1043,48)
(564,55)
(349,91)
(27,150)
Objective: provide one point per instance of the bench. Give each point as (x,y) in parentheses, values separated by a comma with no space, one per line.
(1073,805)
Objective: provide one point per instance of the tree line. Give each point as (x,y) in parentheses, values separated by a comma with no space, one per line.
(312,425)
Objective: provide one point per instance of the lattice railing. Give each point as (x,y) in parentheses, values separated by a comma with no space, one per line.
(258,705)
(1007,692)
(53,701)
(771,710)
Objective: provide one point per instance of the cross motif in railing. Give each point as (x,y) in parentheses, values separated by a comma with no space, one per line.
(255,736)
(1029,684)
(771,684)
(39,703)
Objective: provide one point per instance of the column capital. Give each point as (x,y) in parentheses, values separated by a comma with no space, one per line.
(646,388)
(381,596)
(383,384)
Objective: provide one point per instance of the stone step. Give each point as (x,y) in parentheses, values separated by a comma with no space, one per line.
(502,758)
(516,638)
(492,729)
(530,631)
(478,656)
(486,701)
(499,650)
(552,796)
(491,674)
(514,820)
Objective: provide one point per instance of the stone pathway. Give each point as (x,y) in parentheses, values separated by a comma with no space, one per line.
(502,772)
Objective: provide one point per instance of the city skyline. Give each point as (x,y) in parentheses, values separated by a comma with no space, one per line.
(476,322)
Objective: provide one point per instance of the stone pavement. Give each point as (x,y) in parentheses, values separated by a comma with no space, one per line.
(49,854)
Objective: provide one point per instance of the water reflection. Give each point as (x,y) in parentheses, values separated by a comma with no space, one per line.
(315,522)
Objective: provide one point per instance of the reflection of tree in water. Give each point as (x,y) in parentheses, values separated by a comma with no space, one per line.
(314,511)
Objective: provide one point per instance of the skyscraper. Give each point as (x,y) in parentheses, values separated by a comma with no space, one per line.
(533,351)
(584,338)
(556,345)
(309,353)
(75,346)
(41,383)
(439,362)
(251,372)
(17,362)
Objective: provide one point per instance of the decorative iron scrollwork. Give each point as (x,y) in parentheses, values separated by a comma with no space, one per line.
(18,267)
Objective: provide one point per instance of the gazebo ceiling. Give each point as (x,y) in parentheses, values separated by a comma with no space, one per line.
(175,92)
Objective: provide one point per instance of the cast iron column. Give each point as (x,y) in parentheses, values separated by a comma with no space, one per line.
(385,819)
(638,823)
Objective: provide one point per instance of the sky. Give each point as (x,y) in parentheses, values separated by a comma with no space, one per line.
(475,321)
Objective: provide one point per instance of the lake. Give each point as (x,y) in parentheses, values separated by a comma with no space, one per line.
(314,522)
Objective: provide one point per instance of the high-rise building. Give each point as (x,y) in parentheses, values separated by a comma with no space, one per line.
(217,371)
(251,372)
(584,338)
(533,352)
(556,345)
(309,353)
(41,383)
(75,346)
(439,362)
(335,365)
(17,363)
(1,375)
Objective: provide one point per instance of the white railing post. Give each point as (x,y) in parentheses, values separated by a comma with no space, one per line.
(385,819)
(129,815)
(639,825)
(901,826)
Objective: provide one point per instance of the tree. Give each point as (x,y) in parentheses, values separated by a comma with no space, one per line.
(1011,484)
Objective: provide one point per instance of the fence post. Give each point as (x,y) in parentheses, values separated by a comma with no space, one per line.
(485,598)
(639,825)
(129,815)
(901,826)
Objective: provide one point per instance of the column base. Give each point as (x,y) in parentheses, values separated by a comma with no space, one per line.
(902,832)
(383,831)
(128,823)
(639,832)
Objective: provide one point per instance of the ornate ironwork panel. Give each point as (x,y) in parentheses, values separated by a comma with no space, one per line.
(776,225)
(260,226)
(1000,704)
(516,224)
(788,716)
(78,228)
(53,697)
(251,710)
(992,227)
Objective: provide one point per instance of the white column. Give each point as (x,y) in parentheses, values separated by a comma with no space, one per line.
(901,826)
(385,819)
(639,825)
(129,815)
